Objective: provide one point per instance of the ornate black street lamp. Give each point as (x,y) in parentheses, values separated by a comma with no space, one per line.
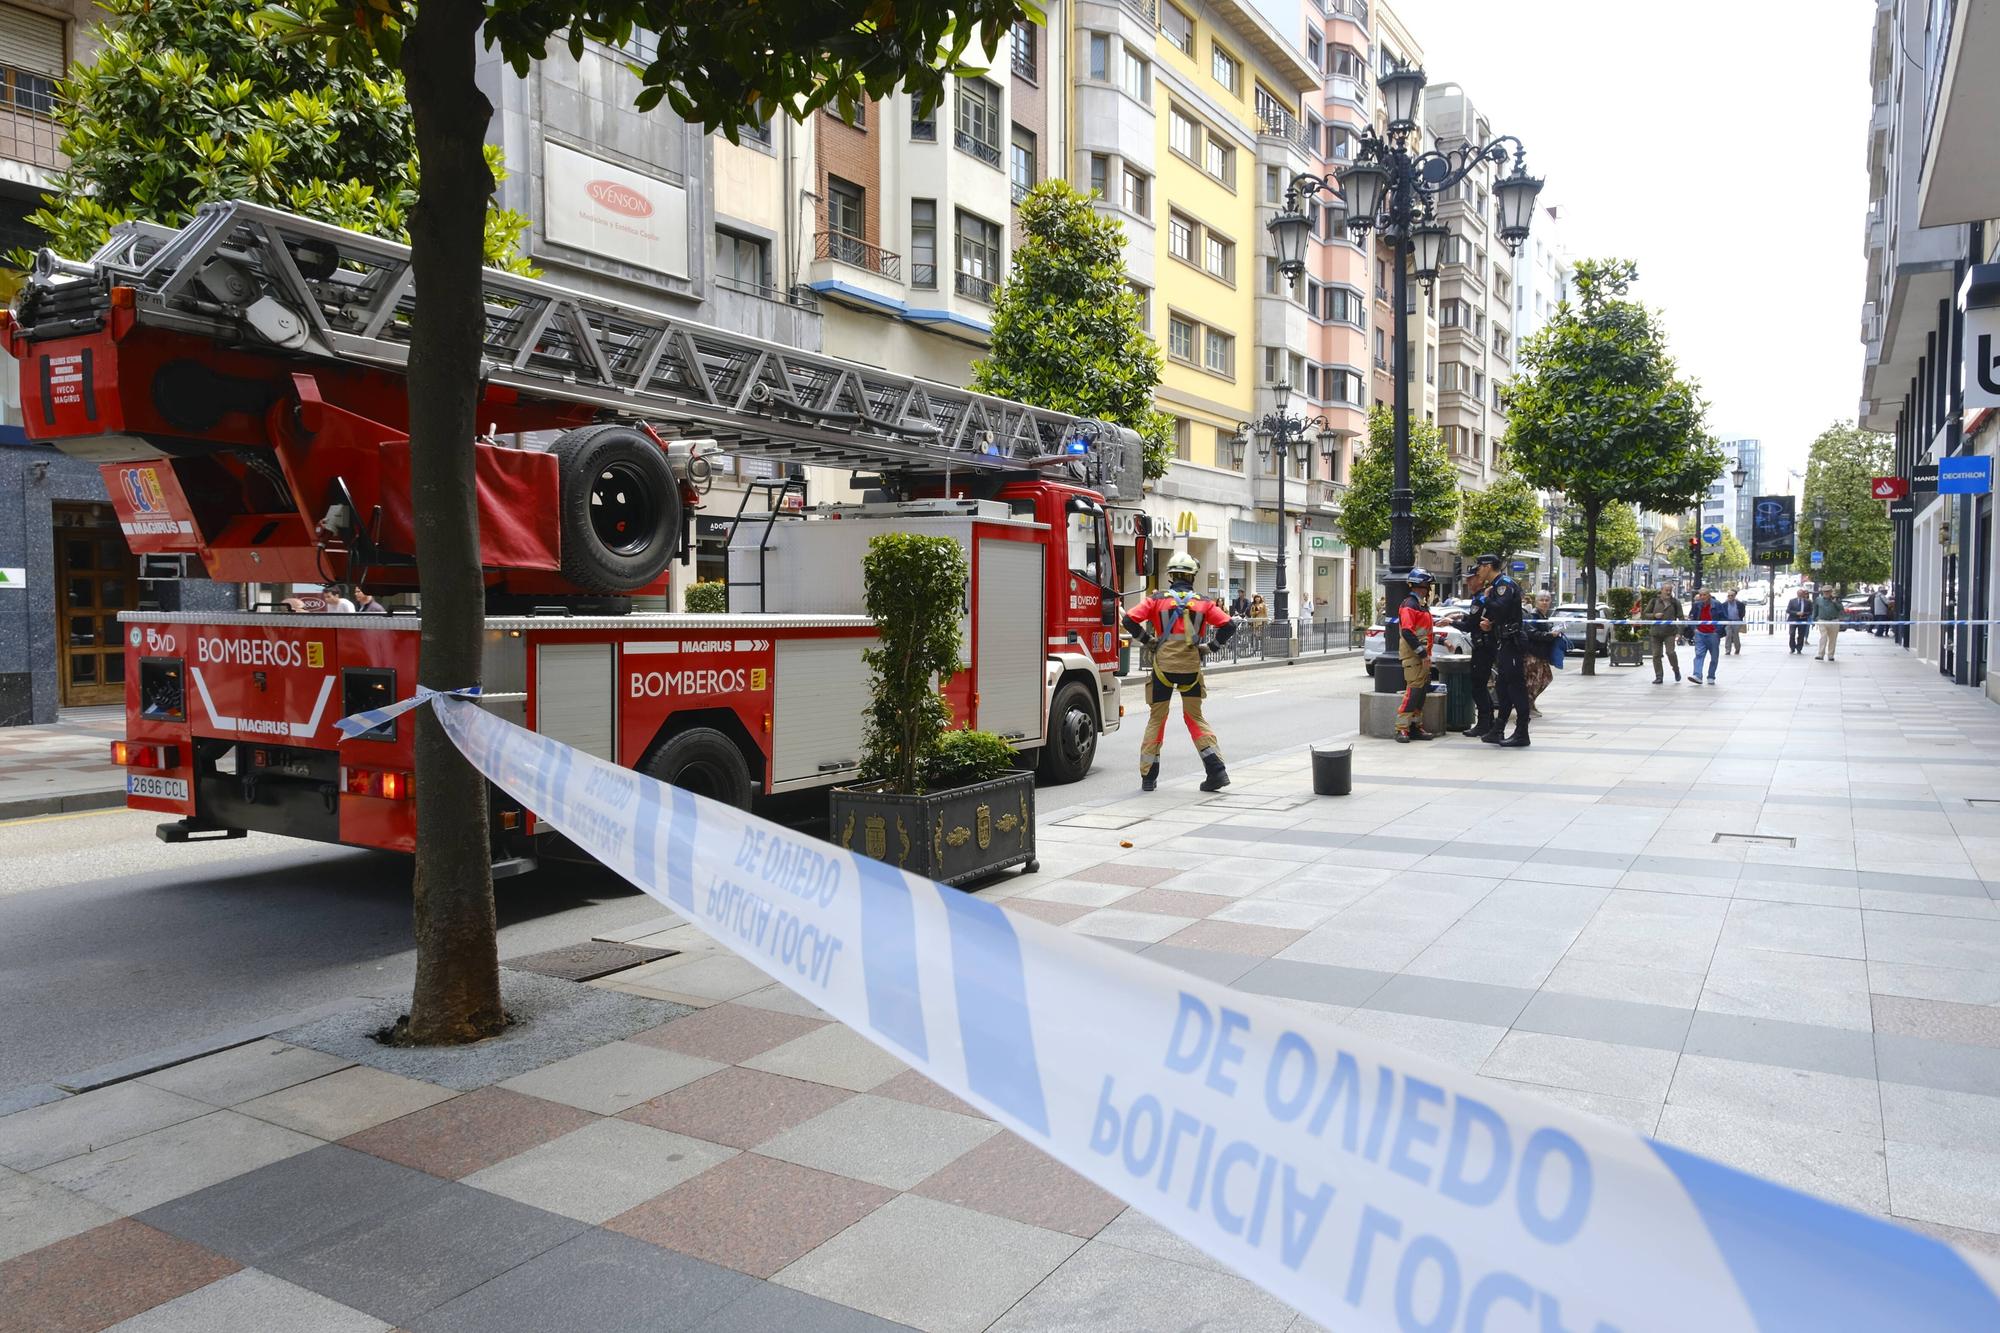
(1278,435)
(1393,191)
(1556,513)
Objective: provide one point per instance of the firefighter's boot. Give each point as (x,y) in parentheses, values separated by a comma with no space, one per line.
(1150,779)
(1218,776)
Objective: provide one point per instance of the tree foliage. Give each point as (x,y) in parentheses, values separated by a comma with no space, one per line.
(187,103)
(1504,518)
(1618,540)
(1858,535)
(710,597)
(1599,412)
(913,586)
(1364,510)
(1066,329)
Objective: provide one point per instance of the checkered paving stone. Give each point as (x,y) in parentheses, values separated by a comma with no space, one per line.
(1822,1014)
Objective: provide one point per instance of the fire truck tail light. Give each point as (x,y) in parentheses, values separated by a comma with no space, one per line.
(134,754)
(373,782)
(124,298)
(767,724)
(510,819)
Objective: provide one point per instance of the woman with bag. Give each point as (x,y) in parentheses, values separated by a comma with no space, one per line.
(1544,648)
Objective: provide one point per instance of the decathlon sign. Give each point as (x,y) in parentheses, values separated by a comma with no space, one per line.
(1370,1187)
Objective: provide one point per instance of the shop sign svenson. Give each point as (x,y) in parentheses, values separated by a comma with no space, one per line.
(612,211)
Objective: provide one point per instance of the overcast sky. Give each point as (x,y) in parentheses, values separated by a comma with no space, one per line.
(1724,148)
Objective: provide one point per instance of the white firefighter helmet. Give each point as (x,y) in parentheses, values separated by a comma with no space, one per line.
(1181,565)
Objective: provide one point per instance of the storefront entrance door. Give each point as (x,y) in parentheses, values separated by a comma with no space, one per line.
(96,578)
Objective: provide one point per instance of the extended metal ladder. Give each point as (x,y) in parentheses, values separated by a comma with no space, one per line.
(256,277)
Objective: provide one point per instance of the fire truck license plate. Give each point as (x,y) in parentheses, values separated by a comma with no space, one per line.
(165,789)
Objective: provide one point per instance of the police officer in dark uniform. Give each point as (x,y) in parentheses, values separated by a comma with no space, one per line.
(1502,619)
(1483,646)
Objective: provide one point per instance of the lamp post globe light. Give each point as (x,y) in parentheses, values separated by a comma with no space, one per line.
(1278,434)
(1393,191)
(1556,512)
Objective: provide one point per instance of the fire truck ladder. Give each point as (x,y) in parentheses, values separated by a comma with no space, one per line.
(775,490)
(256,277)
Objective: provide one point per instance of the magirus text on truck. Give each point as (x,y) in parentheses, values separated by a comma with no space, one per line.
(240,383)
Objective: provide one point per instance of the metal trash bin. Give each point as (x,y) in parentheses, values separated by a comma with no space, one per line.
(1458,706)
(1333,770)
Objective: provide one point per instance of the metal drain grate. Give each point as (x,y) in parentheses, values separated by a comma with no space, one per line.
(586,962)
(1757,839)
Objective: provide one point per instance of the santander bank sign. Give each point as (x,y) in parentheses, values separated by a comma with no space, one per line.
(620,198)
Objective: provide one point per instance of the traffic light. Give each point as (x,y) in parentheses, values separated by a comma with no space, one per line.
(1694,544)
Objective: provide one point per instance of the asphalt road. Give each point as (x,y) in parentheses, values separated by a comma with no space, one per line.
(113,944)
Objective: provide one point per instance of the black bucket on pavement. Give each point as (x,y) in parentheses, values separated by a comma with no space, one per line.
(1333,770)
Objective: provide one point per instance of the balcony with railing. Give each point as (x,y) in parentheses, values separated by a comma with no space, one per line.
(1146,11)
(842,248)
(975,288)
(799,298)
(1276,123)
(989,153)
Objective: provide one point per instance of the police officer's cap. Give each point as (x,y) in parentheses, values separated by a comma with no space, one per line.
(1418,577)
(1487,562)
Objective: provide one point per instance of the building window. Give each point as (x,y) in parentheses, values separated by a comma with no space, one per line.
(1226,69)
(743,261)
(1343,386)
(1218,257)
(1138,193)
(1180,338)
(1345,306)
(1180,133)
(978,257)
(1276,283)
(923,125)
(1100,176)
(1100,56)
(1177,28)
(1220,161)
(1274,185)
(1183,438)
(844,218)
(1136,77)
(979,120)
(1218,352)
(1144,296)
(1180,237)
(923,243)
(1340,141)
(1315,49)
(1382,279)
(1344,62)
(1022,166)
(1502,343)
(1025,62)
(757,134)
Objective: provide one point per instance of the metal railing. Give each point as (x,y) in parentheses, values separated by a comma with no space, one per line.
(1145,9)
(1020,190)
(978,288)
(923,275)
(1272,640)
(846,249)
(979,148)
(1274,122)
(28,134)
(1024,66)
(798,297)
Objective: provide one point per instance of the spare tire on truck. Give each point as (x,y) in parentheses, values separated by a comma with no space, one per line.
(619,508)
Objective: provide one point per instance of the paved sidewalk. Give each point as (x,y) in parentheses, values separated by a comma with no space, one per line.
(1758,921)
(64,766)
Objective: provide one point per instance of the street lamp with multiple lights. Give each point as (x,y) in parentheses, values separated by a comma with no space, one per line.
(1278,434)
(1393,191)
(1556,513)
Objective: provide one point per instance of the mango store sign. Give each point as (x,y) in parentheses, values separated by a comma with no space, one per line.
(597,206)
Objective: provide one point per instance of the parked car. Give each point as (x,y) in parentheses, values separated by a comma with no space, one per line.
(1858,609)
(1454,643)
(1569,620)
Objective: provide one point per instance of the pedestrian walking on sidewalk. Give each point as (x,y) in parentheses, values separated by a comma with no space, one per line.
(1176,625)
(1880,606)
(1708,625)
(1536,667)
(1260,619)
(1665,613)
(1731,613)
(1798,619)
(1414,637)
(1826,611)
(1502,619)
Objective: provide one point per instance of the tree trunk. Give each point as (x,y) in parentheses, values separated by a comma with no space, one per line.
(1591,512)
(457,997)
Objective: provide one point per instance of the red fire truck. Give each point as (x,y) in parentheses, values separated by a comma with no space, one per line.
(240,382)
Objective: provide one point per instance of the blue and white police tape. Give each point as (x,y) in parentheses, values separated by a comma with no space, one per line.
(355,724)
(1369,1187)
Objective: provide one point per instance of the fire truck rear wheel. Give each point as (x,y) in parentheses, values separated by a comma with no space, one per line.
(704,761)
(620,508)
(1072,742)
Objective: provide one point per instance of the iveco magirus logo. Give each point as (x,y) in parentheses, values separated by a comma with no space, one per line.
(620,198)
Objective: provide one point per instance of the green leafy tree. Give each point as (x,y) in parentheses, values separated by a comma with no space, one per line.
(1599,412)
(186,103)
(1617,536)
(1857,536)
(1364,510)
(912,586)
(1504,518)
(723,68)
(1066,328)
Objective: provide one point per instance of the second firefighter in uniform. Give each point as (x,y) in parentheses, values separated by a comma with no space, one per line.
(1176,623)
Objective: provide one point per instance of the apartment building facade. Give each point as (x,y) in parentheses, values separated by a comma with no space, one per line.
(1933,249)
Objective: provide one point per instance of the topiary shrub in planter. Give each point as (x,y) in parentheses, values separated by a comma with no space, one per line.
(710,598)
(1627,641)
(943,804)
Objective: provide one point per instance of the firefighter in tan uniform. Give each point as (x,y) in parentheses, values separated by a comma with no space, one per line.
(1176,623)
(1414,635)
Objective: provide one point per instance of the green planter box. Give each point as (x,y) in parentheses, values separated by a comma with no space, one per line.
(951,836)
(1628,654)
